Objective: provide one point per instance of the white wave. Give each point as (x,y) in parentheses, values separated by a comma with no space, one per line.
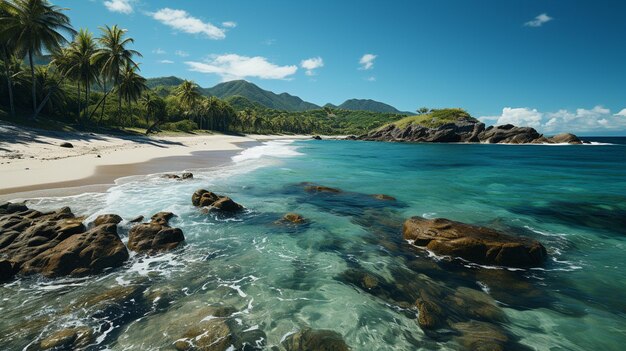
(274,148)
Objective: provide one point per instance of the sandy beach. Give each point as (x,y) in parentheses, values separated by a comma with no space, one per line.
(33,163)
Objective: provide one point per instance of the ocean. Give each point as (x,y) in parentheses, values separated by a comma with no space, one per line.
(275,279)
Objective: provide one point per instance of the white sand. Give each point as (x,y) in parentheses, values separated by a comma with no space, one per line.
(32,157)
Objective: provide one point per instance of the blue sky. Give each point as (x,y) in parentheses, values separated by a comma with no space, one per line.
(554,65)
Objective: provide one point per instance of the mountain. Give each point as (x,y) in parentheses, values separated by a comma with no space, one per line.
(255,94)
(368,105)
(163,81)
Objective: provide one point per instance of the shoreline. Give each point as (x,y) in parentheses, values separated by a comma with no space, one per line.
(32,163)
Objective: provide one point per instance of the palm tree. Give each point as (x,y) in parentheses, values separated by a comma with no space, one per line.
(47,83)
(81,52)
(34,25)
(131,85)
(113,57)
(188,94)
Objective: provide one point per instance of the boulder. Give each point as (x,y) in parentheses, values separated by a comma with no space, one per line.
(316,137)
(68,339)
(220,203)
(6,270)
(293,218)
(565,138)
(310,339)
(473,243)
(57,243)
(137,219)
(155,236)
(107,219)
(184,176)
(187,175)
(66,145)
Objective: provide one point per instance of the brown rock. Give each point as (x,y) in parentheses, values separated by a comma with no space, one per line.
(384,197)
(481,336)
(107,219)
(226,204)
(473,243)
(137,219)
(293,218)
(68,339)
(66,145)
(430,314)
(565,138)
(319,340)
(205,198)
(156,236)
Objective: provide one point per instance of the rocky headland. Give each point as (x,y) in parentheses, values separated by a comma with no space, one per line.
(457,126)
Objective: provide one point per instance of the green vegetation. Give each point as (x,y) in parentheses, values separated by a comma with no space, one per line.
(435,118)
(93,82)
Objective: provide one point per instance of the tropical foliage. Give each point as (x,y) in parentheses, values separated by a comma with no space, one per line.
(49,70)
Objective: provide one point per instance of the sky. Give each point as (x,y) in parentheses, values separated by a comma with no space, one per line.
(555,65)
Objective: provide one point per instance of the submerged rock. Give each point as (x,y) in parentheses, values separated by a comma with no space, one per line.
(215,202)
(156,236)
(57,243)
(184,176)
(319,340)
(106,219)
(68,339)
(384,197)
(293,218)
(473,243)
(314,188)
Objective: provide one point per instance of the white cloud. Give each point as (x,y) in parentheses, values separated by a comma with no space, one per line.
(371,79)
(367,61)
(597,119)
(159,51)
(229,24)
(181,53)
(121,6)
(168,62)
(311,65)
(233,66)
(184,22)
(539,20)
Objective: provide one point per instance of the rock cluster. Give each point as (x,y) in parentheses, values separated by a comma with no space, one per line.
(473,243)
(466,130)
(156,236)
(184,176)
(215,202)
(56,243)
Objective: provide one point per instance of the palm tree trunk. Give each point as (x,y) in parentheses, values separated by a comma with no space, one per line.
(86,112)
(79,109)
(32,76)
(105,101)
(9,82)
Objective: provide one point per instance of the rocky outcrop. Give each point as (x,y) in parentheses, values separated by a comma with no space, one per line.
(292,218)
(214,202)
(311,339)
(184,176)
(466,130)
(156,236)
(473,243)
(56,243)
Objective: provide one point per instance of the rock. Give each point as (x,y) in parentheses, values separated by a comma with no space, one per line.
(6,270)
(107,219)
(475,304)
(319,340)
(293,218)
(184,176)
(57,243)
(205,198)
(565,138)
(156,236)
(67,145)
(68,339)
(316,137)
(209,335)
(137,219)
(473,243)
(509,134)
(81,254)
(313,188)
(481,336)
(430,314)
(384,197)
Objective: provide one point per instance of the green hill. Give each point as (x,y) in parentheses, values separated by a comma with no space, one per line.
(435,118)
(368,105)
(164,82)
(239,103)
(265,98)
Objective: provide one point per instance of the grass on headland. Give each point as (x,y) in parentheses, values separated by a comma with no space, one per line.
(435,118)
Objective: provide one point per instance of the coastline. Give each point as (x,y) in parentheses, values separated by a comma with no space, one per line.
(32,164)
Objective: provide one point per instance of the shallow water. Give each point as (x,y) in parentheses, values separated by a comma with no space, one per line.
(280,279)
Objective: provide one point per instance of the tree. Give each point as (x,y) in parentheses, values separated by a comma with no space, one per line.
(422,110)
(188,94)
(113,57)
(131,85)
(80,54)
(32,26)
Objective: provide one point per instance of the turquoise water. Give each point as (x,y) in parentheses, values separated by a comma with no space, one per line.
(280,279)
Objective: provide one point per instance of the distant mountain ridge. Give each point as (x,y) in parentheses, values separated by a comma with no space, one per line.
(238,89)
